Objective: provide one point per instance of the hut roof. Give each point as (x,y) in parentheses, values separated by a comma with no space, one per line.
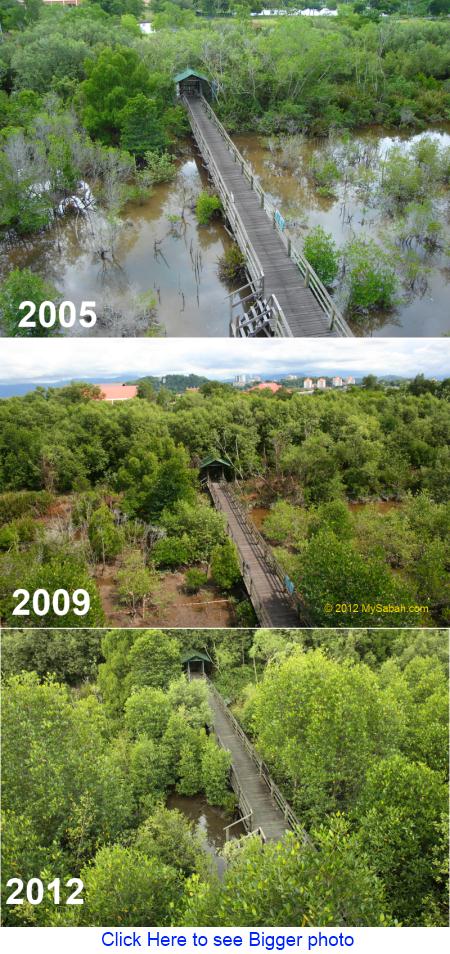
(207,461)
(193,654)
(188,72)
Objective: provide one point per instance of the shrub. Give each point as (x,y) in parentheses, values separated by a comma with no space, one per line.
(160,167)
(105,538)
(224,565)
(245,614)
(371,280)
(322,255)
(324,173)
(232,265)
(194,579)
(215,771)
(18,503)
(207,208)
(23,285)
(20,531)
(171,551)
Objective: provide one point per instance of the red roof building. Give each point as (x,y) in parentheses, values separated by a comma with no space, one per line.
(117,392)
(270,385)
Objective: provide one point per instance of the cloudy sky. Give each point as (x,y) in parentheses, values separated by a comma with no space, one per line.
(42,361)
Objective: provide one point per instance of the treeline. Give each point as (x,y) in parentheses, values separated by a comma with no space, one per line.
(99,728)
(78,83)
(129,477)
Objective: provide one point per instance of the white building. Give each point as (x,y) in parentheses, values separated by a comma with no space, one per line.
(308,384)
(337,381)
(350,380)
(321,384)
(325,12)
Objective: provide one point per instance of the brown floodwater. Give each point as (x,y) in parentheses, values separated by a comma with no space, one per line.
(346,215)
(174,260)
(382,506)
(258,516)
(210,821)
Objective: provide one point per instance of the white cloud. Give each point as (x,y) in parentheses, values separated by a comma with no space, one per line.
(43,361)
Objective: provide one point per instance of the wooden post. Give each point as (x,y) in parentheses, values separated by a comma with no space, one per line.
(262,200)
(307,278)
(289,246)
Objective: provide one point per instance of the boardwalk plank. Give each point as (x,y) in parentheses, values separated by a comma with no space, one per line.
(266,589)
(291,291)
(266,813)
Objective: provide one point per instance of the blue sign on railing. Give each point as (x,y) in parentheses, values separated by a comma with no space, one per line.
(289,585)
(280,221)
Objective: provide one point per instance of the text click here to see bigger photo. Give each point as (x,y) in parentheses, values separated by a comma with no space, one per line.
(224,475)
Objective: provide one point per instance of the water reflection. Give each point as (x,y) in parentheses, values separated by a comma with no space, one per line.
(210,821)
(347,214)
(158,248)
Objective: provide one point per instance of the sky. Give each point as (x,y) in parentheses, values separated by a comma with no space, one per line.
(43,361)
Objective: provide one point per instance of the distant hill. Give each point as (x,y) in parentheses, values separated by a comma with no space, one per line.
(178,383)
(173,382)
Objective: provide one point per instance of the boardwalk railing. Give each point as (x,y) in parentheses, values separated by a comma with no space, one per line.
(265,550)
(278,323)
(311,279)
(253,264)
(263,617)
(263,771)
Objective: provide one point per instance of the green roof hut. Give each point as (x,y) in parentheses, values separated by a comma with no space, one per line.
(195,661)
(191,83)
(215,468)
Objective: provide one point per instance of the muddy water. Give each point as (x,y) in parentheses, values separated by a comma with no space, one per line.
(258,516)
(176,261)
(345,216)
(209,821)
(382,506)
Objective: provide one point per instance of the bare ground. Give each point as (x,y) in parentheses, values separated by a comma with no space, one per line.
(208,608)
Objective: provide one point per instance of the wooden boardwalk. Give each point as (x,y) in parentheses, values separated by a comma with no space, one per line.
(263,807)
(265,814)
(303,313)
(268,595)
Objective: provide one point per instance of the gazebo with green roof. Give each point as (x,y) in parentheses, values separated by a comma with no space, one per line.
(215,468)
(191,83)
(196,661)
